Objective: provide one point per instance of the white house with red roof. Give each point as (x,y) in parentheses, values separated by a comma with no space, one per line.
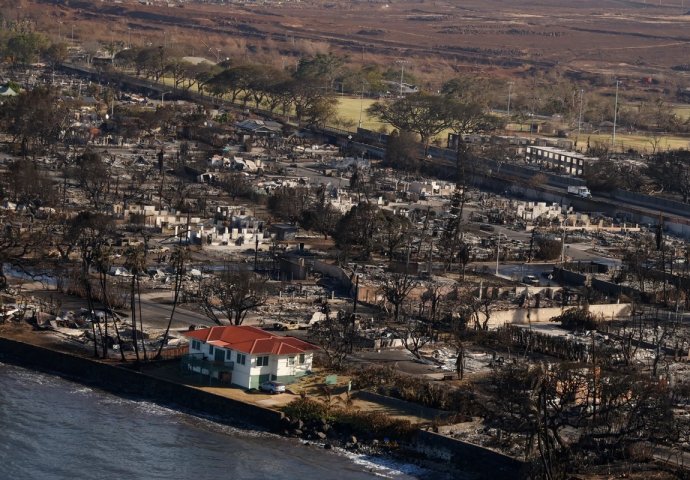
(247,356)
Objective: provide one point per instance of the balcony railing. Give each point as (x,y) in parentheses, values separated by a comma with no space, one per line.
(196,361)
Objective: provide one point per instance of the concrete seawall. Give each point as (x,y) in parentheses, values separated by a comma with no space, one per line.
(122,380)
(466,456)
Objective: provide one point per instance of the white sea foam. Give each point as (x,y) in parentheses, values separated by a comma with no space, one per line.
(382,466)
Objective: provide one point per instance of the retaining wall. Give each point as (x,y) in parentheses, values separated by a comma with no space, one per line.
(494,465)
(122,380)
(403,405)
(542,315)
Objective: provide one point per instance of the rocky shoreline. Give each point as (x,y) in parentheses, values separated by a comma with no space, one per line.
(128,382)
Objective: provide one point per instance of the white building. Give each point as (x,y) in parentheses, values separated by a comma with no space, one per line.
(432,188)
(572,163)
(247,356)
(531,211)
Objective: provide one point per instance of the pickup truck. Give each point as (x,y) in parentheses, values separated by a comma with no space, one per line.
(284,326)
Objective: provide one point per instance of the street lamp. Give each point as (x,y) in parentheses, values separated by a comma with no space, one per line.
(402,73)
(615,115)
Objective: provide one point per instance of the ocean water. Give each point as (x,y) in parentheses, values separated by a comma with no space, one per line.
(51,428)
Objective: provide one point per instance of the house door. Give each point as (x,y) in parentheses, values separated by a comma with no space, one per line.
(264,378)
(219,355)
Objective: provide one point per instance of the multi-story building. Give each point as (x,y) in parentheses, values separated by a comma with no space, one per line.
(572,163)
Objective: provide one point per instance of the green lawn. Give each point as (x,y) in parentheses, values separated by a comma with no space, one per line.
(349,109)
(683,111)
(352,110)
(641,143)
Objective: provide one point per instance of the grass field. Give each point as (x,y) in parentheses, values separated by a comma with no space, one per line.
(683,111)
(349,109)
(353,109)
(640,143)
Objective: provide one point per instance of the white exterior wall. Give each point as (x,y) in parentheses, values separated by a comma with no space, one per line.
(284,369)
(242,375)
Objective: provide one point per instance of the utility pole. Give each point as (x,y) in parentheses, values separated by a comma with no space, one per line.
(361,105)
(498,252)
(615,115)
(256,252)
(579,119)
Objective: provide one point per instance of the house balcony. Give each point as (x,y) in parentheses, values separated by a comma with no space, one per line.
(211,372)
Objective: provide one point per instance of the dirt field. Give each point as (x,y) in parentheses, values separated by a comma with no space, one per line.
(618,37)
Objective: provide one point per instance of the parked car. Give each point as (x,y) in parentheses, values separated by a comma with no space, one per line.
(485,227)
(272,387)
(291,325)
(530,280)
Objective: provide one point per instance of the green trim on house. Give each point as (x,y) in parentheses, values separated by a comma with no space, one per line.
(286,379)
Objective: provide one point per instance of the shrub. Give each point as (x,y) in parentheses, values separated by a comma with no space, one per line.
(307,410)
(374,424)
(386,381)
(576,319)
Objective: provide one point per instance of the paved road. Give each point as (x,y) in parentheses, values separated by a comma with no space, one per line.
(157,314)
(154,312)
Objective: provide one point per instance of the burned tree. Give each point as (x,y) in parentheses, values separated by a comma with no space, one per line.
(335,335)
(414,335)
(395,289)
(232,294)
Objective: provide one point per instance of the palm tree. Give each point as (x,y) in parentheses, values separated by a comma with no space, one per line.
(103,261)
(135,262)
(179,258)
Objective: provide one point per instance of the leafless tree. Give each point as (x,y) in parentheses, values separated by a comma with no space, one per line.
(335,335)
(414,334)
(395,288)
(233,294)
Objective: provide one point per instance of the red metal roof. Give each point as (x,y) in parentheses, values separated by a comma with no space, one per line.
(251,340)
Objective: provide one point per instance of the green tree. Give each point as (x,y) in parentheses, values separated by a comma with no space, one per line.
(421,113)
(322,68)
(25,47)
(36,119)
(359,229)
(402,151)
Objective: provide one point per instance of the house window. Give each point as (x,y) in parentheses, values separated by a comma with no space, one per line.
(301,359)
(210,349)
(228,355)
(262,361)
(241,358)
(196,345)
(291,361)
